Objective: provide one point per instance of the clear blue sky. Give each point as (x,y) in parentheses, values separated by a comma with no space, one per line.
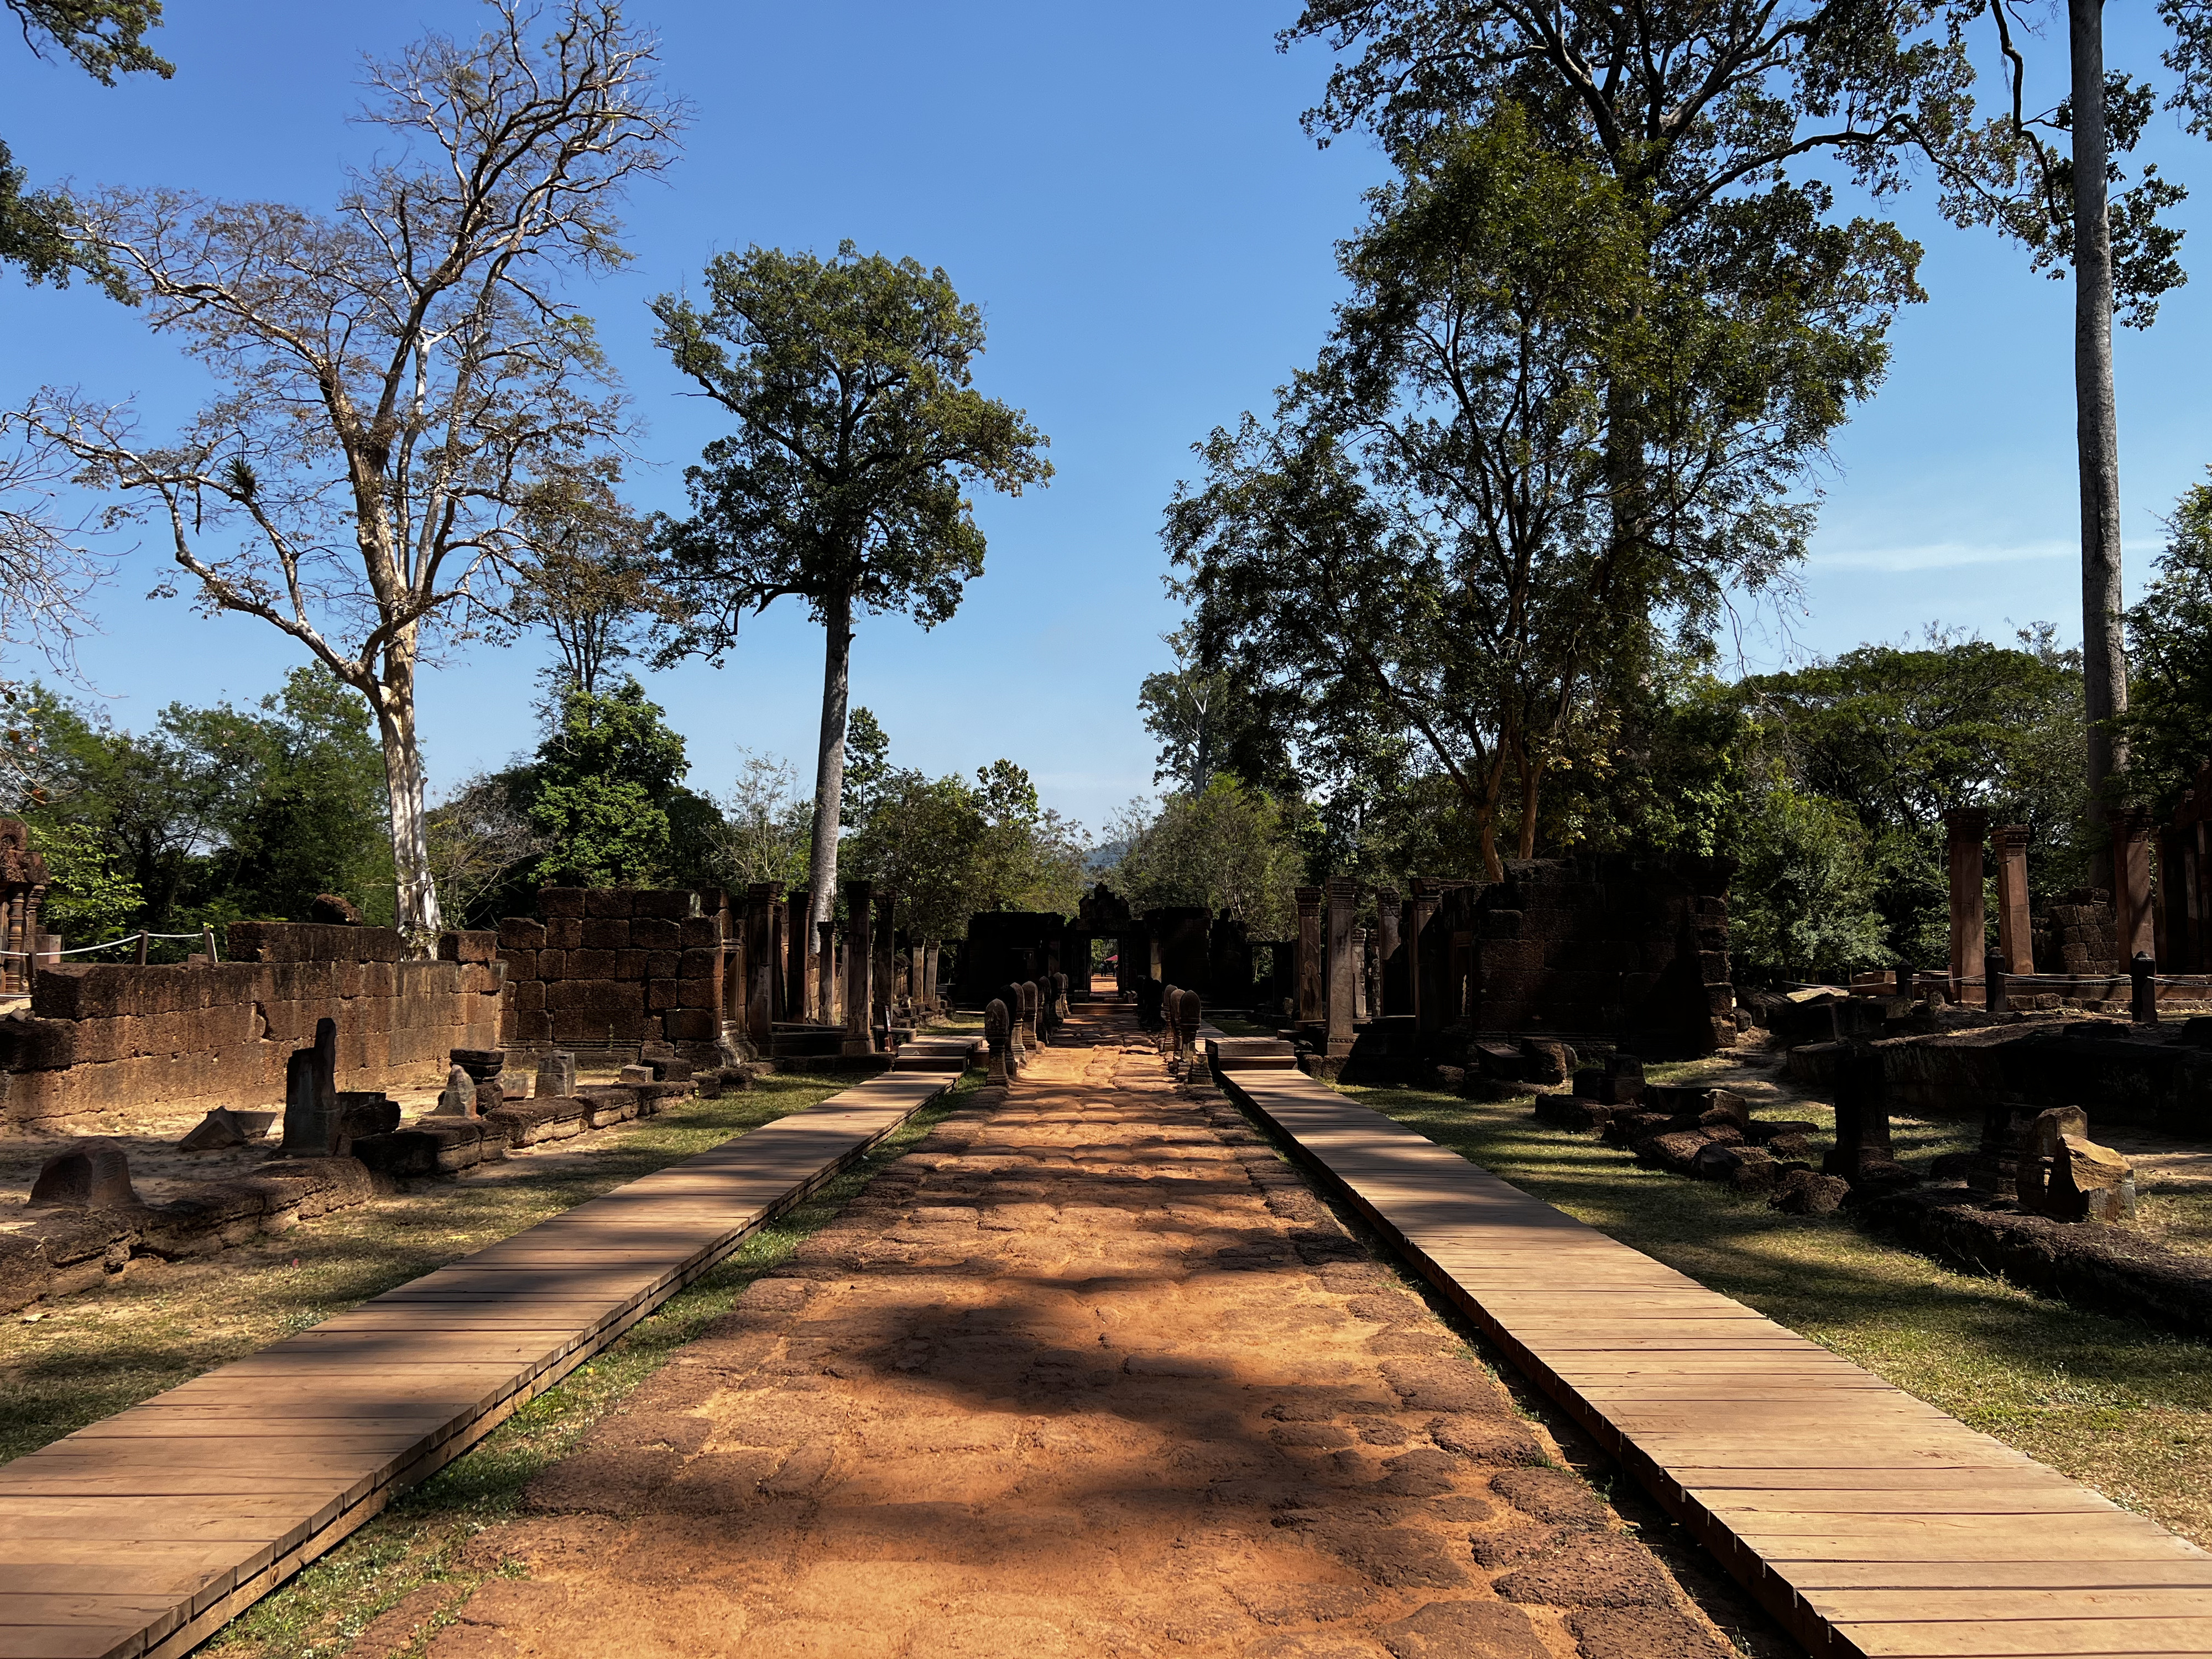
(1127,193)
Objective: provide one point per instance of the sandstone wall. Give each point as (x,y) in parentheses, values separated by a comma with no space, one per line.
(608,968)
(107,1036)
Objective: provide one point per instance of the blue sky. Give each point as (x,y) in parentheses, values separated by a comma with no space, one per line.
(1127,193)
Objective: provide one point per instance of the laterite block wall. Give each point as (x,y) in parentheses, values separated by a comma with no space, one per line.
(608,968)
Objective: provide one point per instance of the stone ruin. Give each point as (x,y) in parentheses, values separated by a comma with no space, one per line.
(23,881)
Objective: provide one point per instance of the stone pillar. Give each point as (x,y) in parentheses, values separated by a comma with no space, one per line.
(2016,932)
(926,973)
(1310,956)
(1360,1003)
(1389,958)
(798,907)
(825,972)
(2132,931)
(314,1126)
(859,958)
(779,956)
(1969,923)
(1342,990)
(1425,950)
(757,1000)
(885,940)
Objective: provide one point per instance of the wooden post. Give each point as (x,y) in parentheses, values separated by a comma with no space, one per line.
(142,947)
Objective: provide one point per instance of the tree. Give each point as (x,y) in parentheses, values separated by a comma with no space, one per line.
(484,849)
(105,38)
(399,381)
(588,578)
(767,827)
(1200,718)
(605,794)
(1229,848)
(857,431)
(1424,554)
(1804,903)
(2169,722)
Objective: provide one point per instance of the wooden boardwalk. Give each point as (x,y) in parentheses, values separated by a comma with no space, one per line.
(144,1533)
(1868,1521)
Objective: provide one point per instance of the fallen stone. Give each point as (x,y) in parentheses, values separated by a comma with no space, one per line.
(458,1098)
(92,1174)
(224,1128)
(635,1074)
(1805,1192)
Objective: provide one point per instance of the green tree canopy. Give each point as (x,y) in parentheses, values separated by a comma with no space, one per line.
(605,794)
(859,434)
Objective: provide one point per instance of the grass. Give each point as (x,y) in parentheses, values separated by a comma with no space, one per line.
(2113,1402)
(417,1551)
(82,1358)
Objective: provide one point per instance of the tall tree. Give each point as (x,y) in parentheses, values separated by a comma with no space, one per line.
(587,578)
(398,381)
(843,485)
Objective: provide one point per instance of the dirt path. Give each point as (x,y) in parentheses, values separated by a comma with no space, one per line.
(1091,1371)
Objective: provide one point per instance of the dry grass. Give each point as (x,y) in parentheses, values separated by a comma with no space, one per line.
(76,1359)
(2113,1402)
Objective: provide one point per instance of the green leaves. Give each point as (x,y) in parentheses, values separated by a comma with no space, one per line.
(857,433)
(604,790)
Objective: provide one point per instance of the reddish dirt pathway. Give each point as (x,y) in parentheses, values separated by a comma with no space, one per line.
(1089,1372)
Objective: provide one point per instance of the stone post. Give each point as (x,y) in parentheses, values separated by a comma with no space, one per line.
(1391,998)
(313,1124)
(931,951)
(1993,981)
(2132,928)
(2142,972)
(1342,991)
(2016,932)
(997,1033)
(886,940)
(779,952)
(798,907)
(859,958)
(1310,956)
(1360,1004)
(759,1002)
(826,973)
(1425,957)
(1969,923)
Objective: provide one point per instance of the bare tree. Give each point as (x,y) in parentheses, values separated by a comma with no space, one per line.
(588,579)
(47,573)
(398,380)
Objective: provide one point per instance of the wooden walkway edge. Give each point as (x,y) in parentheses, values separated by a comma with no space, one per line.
(1869,1522)
(144,1533)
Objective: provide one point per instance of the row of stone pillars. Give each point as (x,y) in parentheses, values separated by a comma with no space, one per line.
(791,977)
(2134,931)
(1346,975)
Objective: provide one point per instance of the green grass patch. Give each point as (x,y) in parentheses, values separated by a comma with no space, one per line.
(417,1547)
(2113,1402)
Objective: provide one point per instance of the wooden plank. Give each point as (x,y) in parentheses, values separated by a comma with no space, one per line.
(209,1496)
(1867,1521)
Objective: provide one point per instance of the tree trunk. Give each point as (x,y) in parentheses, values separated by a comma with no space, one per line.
(2104,660)
(415,908)
(829,763)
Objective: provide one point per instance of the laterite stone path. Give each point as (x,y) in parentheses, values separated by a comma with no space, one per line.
(1089,1372)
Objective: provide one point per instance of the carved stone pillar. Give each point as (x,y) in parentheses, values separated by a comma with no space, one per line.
(1343,966)
(2015,933)
(1967,826)
(1310,956)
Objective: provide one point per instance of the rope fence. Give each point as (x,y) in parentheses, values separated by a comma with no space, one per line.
(139,941)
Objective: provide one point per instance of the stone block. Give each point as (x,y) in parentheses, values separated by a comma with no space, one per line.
(606,932)
(663,903)
(592,964)
(37,1045)
(303,941)
(552,964)
(608,902)
(560,901)
(697,994)
(520,963)
(630,964)
(92,1174)
(468,944)
(655,934)
(521,933)
(690,1024)
(662,994)
(699,964)
(663,964)
(564,933)
(526,997)
(699,933)
(531,1026)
